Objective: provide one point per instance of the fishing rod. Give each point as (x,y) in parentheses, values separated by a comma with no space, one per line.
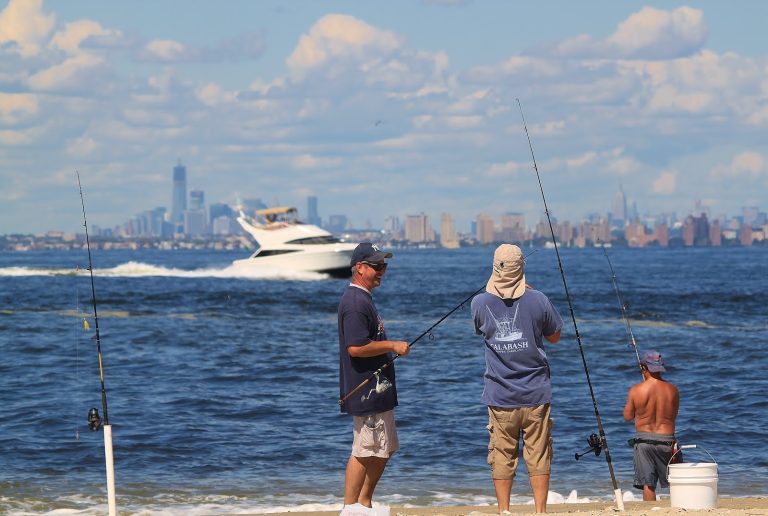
(382,386)
(623,311)
(602,440)
(94,421)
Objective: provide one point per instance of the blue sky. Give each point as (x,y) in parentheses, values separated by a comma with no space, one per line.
(380,108)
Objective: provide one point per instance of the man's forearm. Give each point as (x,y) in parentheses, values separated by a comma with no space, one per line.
(372,349)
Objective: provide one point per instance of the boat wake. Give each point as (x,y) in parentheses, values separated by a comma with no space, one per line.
(142,270)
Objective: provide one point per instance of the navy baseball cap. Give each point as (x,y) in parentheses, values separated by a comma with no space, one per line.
(368,252)
(652,360)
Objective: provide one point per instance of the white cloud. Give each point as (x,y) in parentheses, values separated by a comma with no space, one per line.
(21,137)
(15,107)
(249,45)
(548,128)
(167,50)
(748,164)
(531,68)
(65,74)
(660,33)
(623,165)
(581,161)
(24,24)
(507,168)
(647,34)
(665,183)
(264,88)
(307,161)
(83,146)
(669,98)
(212,95)
(613,161)
(338,37)
(74,34)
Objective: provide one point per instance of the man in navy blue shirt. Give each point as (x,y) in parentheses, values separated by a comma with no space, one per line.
(514,321)
(363,349)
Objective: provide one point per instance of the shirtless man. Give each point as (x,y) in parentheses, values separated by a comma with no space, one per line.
(653,404)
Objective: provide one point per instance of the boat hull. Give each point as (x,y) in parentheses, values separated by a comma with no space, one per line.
(333,260)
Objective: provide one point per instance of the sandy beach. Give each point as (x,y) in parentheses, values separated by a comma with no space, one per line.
(729,506)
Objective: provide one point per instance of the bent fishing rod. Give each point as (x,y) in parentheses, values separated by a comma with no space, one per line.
(94,421)
(603,441)
(378,371)
(623,311)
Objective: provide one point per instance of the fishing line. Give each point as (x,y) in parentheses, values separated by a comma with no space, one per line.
(623,311)
(603,441)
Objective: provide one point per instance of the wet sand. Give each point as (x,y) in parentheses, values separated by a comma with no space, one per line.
(725,506)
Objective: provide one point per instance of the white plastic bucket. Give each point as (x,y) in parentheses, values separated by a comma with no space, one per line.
(693,485)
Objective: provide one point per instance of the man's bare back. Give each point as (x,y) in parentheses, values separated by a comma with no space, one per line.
(653,405)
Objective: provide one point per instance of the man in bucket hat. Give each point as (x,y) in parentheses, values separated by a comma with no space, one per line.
(513,320)
(653,404)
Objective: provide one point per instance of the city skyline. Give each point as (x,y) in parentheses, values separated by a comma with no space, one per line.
(381,109)
(618,213)
(219,219)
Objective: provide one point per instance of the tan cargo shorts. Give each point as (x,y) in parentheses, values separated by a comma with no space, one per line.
(506,427)
(375,435)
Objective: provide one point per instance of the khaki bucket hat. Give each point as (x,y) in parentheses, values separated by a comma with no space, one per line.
(507,280)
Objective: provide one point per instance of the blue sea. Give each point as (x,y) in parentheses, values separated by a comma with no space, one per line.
(222,390)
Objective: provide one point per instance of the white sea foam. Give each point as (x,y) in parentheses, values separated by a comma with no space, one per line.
(134,269)
(212,504)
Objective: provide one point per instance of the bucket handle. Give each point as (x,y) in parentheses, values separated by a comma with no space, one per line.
(687,447)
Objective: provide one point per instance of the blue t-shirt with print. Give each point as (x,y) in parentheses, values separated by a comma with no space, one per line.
(516,367)
(359,324)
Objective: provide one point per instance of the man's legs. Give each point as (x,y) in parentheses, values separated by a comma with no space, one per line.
(503,489)
(540,488)
(537,439)
(363,473)
(649,493)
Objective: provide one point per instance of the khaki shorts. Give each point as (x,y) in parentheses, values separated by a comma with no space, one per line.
(374,435)
(505,427)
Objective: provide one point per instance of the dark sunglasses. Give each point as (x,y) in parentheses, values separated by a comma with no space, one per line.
(376,266)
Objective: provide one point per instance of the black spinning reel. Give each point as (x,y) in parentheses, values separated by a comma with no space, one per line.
(595,445)
(94,420)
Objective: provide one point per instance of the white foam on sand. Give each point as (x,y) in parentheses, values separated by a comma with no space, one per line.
(207,505)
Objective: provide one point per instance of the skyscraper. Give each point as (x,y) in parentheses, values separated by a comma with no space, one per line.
(418,228)
(196,218)
(448,237)
(312,216)
(196,200)
(484,230)
(512,227)
(179,204)
(619,208)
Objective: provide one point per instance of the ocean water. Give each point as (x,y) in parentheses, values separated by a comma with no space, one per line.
(222,390)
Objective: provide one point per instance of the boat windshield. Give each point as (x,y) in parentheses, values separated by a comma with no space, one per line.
(278,217)
(324,239)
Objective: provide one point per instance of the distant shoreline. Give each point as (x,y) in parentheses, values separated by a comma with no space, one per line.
(57,241)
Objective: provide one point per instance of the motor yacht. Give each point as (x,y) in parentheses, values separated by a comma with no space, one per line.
(287,243)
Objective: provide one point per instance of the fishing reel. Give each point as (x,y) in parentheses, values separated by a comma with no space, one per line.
(94,420)
(595,445)
(382,384)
